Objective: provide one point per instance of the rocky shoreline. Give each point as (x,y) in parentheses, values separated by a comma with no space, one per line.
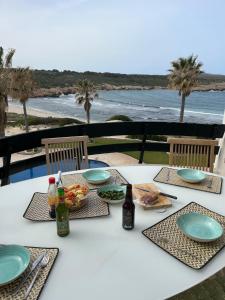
(58,91)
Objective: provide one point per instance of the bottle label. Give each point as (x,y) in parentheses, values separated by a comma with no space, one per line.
(128,219)
(52,200)
(63,226)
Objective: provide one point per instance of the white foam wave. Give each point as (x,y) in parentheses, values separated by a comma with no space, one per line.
(191,111)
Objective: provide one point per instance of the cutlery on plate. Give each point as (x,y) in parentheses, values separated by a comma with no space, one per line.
(165,241)
(42,264)
(33,267)
(209,184)
(168,175)
(160,193)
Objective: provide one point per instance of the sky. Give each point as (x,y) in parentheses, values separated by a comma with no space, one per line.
(120,36)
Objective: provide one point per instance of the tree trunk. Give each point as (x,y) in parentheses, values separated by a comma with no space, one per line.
(3,116)
(182,108)
(25,117)
(87,108)
(88,116)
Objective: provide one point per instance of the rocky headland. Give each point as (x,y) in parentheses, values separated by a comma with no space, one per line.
(58,91)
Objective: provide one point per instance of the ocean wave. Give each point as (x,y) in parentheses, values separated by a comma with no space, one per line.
(192,111)
(150,107)
(128,103)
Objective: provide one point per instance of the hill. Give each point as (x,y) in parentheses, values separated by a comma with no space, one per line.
(55,78)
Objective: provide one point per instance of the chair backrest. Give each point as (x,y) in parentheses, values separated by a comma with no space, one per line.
(194,153)
(66,153)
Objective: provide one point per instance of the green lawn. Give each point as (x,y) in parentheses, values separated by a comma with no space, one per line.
(149,157)
(152,157)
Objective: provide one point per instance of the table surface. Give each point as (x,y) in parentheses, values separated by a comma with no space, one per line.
(99,259)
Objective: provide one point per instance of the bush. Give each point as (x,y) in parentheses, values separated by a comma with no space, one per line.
(18,120)
(120,118)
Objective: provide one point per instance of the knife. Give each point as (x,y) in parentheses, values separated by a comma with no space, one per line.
(59,179)
(160,193)
(33,267)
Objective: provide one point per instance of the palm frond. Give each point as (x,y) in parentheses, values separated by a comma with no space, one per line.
(184,74)
(80,99)
(1,57)
(8,58)
(86,93)
(22,84)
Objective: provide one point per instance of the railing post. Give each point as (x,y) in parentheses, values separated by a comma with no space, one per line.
(141,157)
(219,165)
(6,165)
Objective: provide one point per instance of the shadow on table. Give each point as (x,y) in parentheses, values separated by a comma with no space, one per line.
(210,289)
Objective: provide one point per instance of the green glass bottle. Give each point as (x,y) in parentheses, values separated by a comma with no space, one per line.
(62,215)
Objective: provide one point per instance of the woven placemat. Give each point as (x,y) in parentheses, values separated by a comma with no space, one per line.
(78,178)
(212,184)
(37,210)
(167,235)
(7,291)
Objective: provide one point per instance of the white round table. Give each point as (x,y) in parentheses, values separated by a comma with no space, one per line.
(99,259)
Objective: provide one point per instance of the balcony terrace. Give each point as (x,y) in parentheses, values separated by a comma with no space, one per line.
(22,142)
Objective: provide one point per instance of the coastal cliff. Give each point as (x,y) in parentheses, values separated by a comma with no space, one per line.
(58,91)
(53,83)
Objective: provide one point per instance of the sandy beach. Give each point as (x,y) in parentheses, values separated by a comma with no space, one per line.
(18,109)
(112,159)
(12,108)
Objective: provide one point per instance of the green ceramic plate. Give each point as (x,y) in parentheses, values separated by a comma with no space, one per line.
(96,176)
(200,227)
(112,188)
(14,260)
(191,175)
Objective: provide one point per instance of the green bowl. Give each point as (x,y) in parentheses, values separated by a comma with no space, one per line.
(200,228)
(96,176)
(14,260)
(110,188)
(191,175)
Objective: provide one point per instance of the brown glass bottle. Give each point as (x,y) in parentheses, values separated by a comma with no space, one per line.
(128,209)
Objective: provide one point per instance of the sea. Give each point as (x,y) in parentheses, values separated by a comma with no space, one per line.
(140,105)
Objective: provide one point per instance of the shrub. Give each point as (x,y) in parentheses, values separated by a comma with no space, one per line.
(18,120)
(120,118)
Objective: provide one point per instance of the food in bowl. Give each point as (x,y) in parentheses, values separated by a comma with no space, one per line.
(112,193)
(75,196)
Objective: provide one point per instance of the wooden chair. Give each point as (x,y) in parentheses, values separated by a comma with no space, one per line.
(193,153)
(66,153)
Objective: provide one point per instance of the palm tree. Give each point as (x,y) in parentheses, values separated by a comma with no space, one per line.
(5,78)
(21,88)
(183,77)
(86,93)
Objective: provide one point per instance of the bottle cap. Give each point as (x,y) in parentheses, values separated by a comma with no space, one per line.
(51,180)
(61,191)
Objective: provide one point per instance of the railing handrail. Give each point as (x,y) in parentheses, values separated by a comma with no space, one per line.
(25,141)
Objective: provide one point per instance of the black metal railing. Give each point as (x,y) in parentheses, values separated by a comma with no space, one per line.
(21,142)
